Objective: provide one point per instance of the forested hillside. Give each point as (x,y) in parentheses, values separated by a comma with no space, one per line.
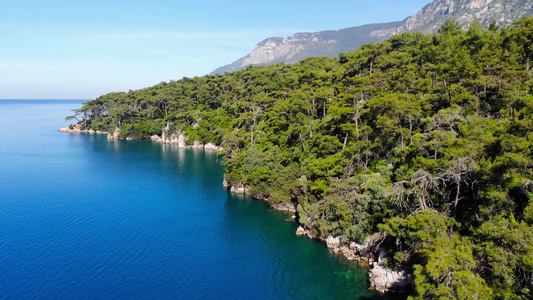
(428,138)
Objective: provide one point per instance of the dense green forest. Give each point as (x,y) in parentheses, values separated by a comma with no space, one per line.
(428,138)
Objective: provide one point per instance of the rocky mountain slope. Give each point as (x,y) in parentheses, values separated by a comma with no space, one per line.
(301,45)
(428,20)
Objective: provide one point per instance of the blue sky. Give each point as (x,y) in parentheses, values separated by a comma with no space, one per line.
(52,49)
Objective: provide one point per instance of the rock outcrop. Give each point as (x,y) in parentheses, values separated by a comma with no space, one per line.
(286,207)
(115,135)
(305,44)
(430,18)
(76,128)
(236,188)
(385,280)
(363,253)
(171,135)
(302,231)
(382,278)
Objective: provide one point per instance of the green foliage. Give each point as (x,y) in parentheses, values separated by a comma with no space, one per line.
(355,204)
(507,248)
(426,137)
(445,266)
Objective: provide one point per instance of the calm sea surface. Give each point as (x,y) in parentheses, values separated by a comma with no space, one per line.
(86,218)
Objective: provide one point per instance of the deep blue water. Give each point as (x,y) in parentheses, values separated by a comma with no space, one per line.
(86,218)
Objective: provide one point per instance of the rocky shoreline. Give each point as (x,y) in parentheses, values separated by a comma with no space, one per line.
(369,254)
(180,140)
(77,129)
(176,139)
(382,278)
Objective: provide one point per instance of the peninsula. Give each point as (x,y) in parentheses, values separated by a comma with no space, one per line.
(412,154)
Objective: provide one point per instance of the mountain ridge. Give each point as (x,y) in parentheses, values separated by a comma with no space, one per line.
(428,19)
(305,44)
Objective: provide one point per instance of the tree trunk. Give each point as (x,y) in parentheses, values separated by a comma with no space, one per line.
(458,182)
(345,141)
(422,202)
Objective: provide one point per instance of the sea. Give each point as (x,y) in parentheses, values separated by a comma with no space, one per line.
(82,217)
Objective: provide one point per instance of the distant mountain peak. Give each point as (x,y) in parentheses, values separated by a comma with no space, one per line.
(465,12)
(428,20)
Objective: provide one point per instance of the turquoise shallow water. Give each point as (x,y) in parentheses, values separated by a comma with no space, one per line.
(86,218)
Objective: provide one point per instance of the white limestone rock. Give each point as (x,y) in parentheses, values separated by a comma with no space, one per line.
(385,280)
